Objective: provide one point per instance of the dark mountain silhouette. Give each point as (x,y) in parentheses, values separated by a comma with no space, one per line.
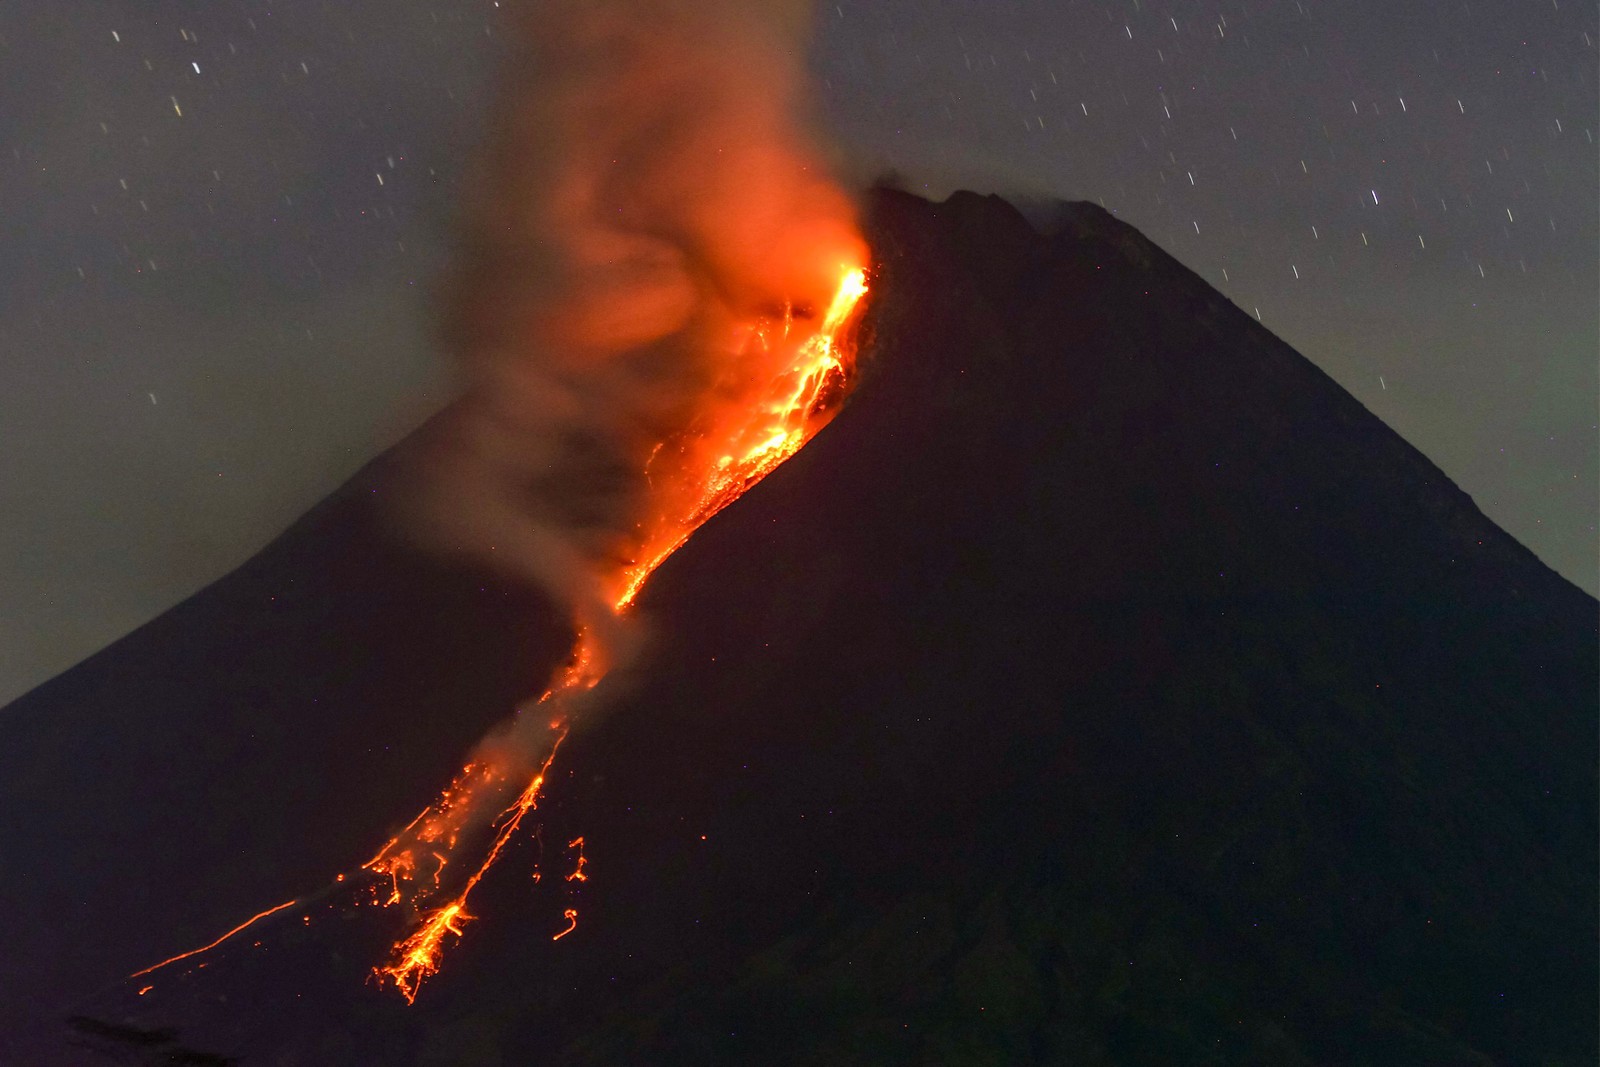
(1104,685)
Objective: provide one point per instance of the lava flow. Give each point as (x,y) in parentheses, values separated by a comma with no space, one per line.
(792,407)
(716,466)
(208,947)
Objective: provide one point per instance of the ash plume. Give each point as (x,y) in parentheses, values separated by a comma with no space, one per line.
(648,184)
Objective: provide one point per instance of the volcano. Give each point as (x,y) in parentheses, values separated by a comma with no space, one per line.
(1103,685)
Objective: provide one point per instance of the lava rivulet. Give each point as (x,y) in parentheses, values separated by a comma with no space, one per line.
(417,956)
(208,947)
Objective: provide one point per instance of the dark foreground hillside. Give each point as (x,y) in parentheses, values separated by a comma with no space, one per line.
(1104,685)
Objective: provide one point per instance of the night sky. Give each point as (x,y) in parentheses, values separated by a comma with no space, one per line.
(222,221)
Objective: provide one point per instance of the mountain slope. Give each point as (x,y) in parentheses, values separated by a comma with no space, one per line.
(1103,685)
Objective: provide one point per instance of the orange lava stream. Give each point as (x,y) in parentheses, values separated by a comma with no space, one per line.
(721,466)
(207,948)
(779,422)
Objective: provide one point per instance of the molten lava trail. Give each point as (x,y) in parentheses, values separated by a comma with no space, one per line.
(717,466)
(784,413)
(208,947)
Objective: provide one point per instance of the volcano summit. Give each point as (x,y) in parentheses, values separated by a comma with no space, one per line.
(1103,685)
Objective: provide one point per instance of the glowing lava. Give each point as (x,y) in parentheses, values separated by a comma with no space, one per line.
(417,956)
(714,467)
(785,414)
(711,468)
(577,874)
(208,947)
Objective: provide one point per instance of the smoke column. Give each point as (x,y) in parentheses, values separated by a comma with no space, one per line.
(648,186)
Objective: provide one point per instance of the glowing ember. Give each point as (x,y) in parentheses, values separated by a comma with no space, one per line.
(780,419)
(577,874)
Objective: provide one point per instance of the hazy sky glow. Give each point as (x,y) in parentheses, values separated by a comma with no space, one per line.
(222,220)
